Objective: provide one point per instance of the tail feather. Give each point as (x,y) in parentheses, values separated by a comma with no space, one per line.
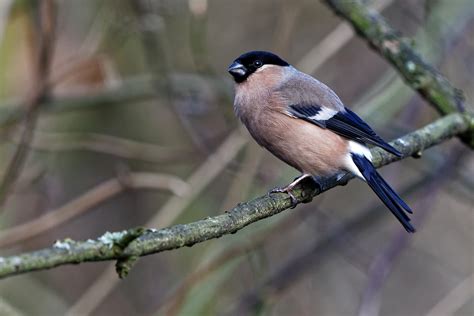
(381,188)
(393,194)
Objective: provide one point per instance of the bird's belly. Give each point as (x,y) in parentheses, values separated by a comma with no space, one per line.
(302,145)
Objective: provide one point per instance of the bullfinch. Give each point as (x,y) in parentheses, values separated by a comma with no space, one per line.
(304,123)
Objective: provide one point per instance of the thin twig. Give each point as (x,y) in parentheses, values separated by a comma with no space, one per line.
(241,184)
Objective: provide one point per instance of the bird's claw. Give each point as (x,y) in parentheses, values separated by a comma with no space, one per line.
(294,200)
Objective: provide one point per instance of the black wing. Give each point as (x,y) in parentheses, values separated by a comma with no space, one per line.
(345,123)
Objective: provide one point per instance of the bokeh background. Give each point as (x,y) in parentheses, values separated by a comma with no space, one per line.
(135,127)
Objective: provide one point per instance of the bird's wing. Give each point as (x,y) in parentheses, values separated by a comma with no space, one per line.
(345,123)
(308,99)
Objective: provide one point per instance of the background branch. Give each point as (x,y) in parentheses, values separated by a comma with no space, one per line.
(418,74)
(111,145)
(99,194)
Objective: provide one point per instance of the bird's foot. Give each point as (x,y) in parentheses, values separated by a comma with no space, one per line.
(287,190)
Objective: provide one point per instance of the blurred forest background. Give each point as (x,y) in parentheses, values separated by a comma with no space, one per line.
(131,108)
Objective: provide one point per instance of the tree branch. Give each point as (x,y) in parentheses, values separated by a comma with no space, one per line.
(418,74)
(128,245)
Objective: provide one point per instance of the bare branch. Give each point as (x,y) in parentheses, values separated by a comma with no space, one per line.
(418,74)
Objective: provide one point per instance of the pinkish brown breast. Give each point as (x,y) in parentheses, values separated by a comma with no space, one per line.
(302,145)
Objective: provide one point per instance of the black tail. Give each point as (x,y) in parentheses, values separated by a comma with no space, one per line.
(389,197)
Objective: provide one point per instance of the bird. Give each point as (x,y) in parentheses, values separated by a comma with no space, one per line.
(304,123)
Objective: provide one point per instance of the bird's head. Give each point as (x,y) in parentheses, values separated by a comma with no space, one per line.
(255,61)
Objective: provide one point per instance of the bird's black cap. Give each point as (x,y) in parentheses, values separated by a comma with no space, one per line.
(249,62)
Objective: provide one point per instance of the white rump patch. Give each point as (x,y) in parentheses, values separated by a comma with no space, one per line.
(324,115)
(358,149)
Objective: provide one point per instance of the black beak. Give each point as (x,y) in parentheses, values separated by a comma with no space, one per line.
(237,70)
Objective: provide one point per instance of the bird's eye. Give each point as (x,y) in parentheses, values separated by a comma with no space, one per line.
(258,63)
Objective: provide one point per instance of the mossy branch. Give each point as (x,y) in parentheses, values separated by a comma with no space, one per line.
(399,51)
(127,246)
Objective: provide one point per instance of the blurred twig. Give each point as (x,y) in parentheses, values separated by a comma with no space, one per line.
(86,201)
(332,43)
(7,309)
(241,185)
(153,241)
(422,77)
(89,47)
(140,88)
(455,299)
(112,145)
(130,90)
(39,93)
(157,57)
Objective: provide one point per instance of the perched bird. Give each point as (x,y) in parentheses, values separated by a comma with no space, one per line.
(304,123)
